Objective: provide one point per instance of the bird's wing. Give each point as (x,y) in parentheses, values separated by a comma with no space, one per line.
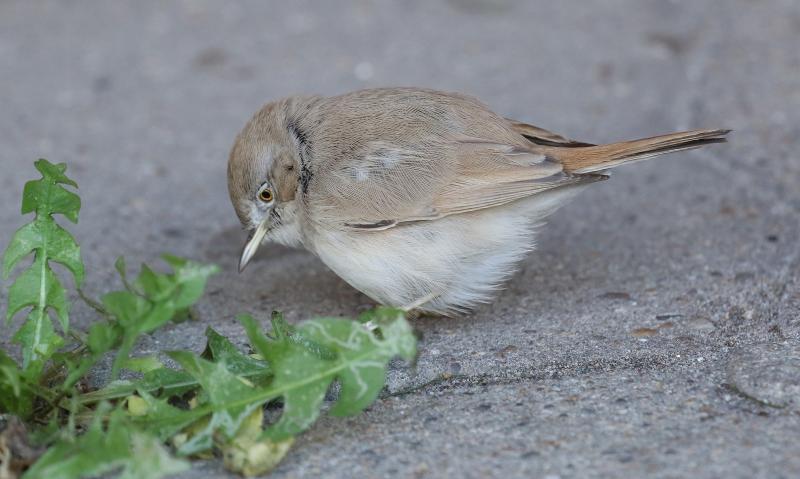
(543,137)
(491,174)
(389,186)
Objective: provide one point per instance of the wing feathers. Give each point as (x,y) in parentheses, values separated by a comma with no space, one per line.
(596,158)
(483,174)
(543,137)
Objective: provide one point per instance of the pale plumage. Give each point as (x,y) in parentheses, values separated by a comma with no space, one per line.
(413,196)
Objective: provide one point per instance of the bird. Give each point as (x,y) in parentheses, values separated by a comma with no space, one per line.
(421,199)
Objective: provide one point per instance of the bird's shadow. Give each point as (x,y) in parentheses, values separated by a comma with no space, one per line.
(280,278)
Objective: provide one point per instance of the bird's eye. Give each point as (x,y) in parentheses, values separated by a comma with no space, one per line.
(265,195)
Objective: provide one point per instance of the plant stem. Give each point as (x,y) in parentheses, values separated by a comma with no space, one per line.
(95,305)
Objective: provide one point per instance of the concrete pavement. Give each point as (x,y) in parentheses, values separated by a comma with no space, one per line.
(655,331)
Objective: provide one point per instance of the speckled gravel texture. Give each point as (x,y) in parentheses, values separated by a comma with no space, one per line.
(655,331)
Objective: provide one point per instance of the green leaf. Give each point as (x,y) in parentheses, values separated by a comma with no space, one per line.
(39,341)
(154,286)
(166,382)
(14,396)
(38,287)
(220,349)
(392,327)
(191,277)
(183,287)
(153,300)
(162,295)
(302,377)
(102,337)
(10,375)
(222,389)
(119,447)
(128,308)
(282,330)
(45,235)
(159,418)
(226,404)
(45,197)
(134,316)
(363,356)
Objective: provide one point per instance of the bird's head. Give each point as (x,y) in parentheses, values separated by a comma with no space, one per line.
(265,169)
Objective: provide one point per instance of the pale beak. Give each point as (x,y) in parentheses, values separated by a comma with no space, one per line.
(253,242)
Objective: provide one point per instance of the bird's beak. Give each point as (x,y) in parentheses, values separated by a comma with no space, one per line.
(252,244)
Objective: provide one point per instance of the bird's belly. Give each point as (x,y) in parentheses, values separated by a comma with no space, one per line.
(449,264)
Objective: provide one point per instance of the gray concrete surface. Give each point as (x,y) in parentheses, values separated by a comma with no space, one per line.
(654,333)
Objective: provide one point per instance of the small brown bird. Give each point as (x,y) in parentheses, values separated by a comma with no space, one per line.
(418,198)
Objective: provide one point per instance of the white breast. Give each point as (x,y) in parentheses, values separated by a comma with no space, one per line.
(456,261)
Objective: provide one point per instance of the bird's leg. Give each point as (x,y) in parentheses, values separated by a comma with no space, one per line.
(414,310)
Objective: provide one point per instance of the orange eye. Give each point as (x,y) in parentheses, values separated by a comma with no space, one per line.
(265,195)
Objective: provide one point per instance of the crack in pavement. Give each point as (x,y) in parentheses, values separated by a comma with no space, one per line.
(552,370)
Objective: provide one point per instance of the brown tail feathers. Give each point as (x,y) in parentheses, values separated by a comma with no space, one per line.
(588,159)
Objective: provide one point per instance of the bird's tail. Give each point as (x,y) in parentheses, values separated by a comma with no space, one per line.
(588,159)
